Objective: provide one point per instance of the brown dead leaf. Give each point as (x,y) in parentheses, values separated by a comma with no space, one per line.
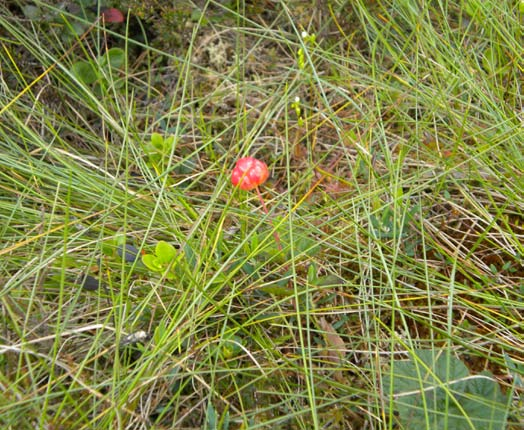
(336,347)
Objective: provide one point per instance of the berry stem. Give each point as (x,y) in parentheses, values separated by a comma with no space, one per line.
(275,233)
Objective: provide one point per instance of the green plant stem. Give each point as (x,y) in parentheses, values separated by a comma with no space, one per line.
(275,233)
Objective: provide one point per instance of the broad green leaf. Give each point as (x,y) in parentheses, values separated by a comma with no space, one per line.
(254,242)
(434,391)
(32,12)
(159,333)
(452,372)
(108,247)
(170,276)
(230,346)
(165,252)
(84,72)
(157,140)
(515,369)
(485,403)
(306,245)
(116,57)
(152,263)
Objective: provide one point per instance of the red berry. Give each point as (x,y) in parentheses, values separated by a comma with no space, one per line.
(249,173)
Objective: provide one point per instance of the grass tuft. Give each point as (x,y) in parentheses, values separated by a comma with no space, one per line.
(140,289)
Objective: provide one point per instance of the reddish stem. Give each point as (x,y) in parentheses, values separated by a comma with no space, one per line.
(275,233)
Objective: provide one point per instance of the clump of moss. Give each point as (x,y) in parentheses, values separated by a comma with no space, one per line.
(169,23)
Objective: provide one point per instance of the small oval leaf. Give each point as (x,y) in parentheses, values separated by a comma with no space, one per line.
(116,57)
(152,263)
(84,72)
(165,252)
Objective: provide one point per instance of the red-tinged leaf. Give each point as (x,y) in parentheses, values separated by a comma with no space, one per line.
(112,15)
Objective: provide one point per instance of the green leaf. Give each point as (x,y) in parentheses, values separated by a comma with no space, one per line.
(484,402)
(116,57)
(445,371)
(306,245)
(253,246)
(434,391)
(32,12)
(515,369)
(78,28)
(302,243)
(170,276)
(277,290)
(211,417)
(157,140)
(247,267)
(196,14)
(312,274)
(84,72)
(168,143)
(490,59)
(165,252)
(230,346)
(190,256)
(152,263)
(159,333)
(485,387)
(98,89)
(108,247)
(329,280)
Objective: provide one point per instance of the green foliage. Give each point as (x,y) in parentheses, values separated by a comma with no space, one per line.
(160,333)
(396,154)
(101,73)
(230,346)
(73,18)
(433,392)
(494,60)
(85,72)
(309,41)
(298,245)
(163,260)
(173,22)
(114,58)
(119,247)
(214,421)
(299,242)
(516,370)
(158,150)
(295,105)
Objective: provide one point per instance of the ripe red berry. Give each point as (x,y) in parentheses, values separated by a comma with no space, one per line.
(249,173)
